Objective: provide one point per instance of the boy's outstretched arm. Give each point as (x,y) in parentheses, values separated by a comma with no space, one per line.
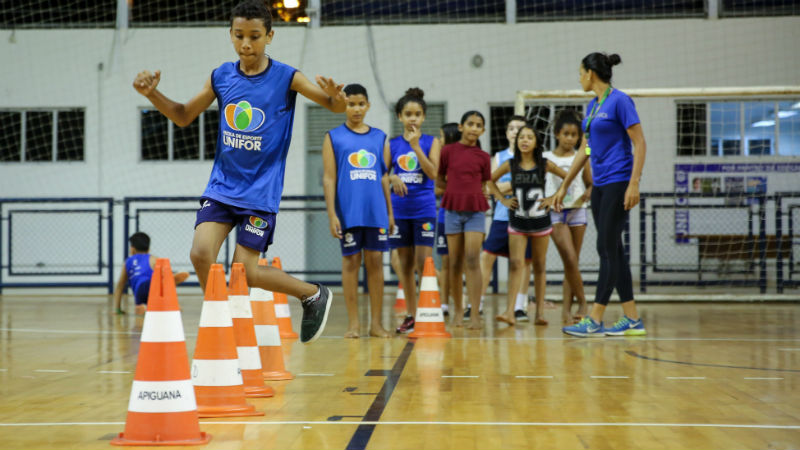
(123,280)
(326,92)
(181,113)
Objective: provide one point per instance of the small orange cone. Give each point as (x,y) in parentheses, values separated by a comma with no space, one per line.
(400,299)
(216,374)
(429,320)
(162,408)
(267,334)
(244,331)
(282,309)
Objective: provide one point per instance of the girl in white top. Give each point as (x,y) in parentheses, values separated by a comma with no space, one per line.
(569,225)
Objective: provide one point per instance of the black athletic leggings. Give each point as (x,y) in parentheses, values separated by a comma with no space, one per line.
(608,211)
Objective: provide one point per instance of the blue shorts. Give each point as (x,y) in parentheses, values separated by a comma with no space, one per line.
(573,217)
(459,222)
(497,241)
(367,238)
(441,240)
(411,232)
(142,292)
(255,228)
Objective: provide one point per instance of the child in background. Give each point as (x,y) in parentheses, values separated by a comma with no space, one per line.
(464,172)
(413,159)
(569,225)
(359,210)
(448,134)
(137,272)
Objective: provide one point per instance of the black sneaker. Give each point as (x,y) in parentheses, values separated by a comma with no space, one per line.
(315,314)
(407,326)
(521,316)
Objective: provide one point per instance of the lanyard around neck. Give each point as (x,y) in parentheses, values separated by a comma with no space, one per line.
(595,110)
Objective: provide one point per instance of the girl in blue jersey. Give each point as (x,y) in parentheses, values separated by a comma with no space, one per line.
(448,134)
(614,141)
(256,99)
(414,161)
(359,210)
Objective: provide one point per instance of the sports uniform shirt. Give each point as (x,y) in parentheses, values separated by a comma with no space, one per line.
(611,147)
(420,201)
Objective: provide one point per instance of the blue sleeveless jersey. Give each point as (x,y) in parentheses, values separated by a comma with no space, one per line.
(500,211)
(255,129)
(138,269)
(359,165)
(420,202)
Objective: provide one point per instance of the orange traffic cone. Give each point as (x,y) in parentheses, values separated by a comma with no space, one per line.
(162,408)
(400,298)
(215,370)
(429,320)
(244,331)
(267,334)
(282,309)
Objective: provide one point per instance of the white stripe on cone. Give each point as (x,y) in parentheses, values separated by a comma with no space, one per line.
(240,306)
(281,310)
(215,314)
(261,295)
(400,294)
(162,396)
(249,358)
(216,372)
(429,315)
(268,335)
(162,326)
(429,284)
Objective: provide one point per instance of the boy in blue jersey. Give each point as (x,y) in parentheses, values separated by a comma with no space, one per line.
(256,97)
(137,272)
(359,209)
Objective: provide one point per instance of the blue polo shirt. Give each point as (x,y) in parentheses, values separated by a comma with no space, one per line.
(611,147)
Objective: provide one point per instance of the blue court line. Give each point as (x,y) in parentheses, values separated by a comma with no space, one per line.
(724,366)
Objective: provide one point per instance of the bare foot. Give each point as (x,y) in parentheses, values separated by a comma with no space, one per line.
(379,332)
(475,324)
(509,319)
(539,321)
(351,334)
(180,277)
(549,305)
(458,321)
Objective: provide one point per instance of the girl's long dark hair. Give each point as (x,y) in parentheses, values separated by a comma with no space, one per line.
(466,116)
(568,117)
(451,133)
(537,152)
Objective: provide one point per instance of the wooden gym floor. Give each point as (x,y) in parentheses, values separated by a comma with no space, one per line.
(711,376)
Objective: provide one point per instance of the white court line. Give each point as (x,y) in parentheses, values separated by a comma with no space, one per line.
(3,370)
(763,378)
(789,349)
(533,376)
(460,376)
(686,378)
(610,376)
(486,424)
(113,371)
(51,370)
(315,374)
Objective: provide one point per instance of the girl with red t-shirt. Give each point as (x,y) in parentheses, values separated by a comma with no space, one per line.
(464,171)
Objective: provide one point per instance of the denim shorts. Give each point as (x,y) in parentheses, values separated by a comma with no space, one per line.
(573,217)
(458,222)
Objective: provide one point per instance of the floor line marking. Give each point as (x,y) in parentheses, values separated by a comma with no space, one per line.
(487,424)
(460,376)
(789,349)
(51,370)
(610,376)
(763,378)
(315,374)
(113,371)
(533,376)
(3,370)
(686,378)
(687,363)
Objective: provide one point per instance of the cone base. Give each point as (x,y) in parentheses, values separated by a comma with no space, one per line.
(258,392)
(233,411)
(432,334)
(200,440)
(278,376)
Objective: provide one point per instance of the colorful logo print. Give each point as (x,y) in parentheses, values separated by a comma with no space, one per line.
(427,226)
(243,117)
(258,222)
(408,162)
(382,230)
(362,159)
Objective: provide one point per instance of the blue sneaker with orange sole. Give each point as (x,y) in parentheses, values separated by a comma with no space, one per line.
(626,326)
(587,327)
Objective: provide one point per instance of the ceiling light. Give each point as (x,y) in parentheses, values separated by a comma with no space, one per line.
(764,123)
(289,4)
(796,105)
(786,114)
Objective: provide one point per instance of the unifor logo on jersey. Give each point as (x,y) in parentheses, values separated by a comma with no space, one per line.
(256,226)
(427,230)
(243,119)
(362,162)
(410,164)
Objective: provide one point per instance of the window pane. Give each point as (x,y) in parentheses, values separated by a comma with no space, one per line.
(692,129)
(47,13)
(751,8)
(10,130)
(759,127)
(538,10)
(726,127)
(210,130)
(379,12)
(789,127)
(70,135)
(39,136)
(154,135)
(186,141)
(498,117)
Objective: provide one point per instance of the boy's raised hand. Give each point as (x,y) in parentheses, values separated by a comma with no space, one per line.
(331,88)
(146,82)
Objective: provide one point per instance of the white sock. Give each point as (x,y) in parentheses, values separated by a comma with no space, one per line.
(520,304)
(315,296)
